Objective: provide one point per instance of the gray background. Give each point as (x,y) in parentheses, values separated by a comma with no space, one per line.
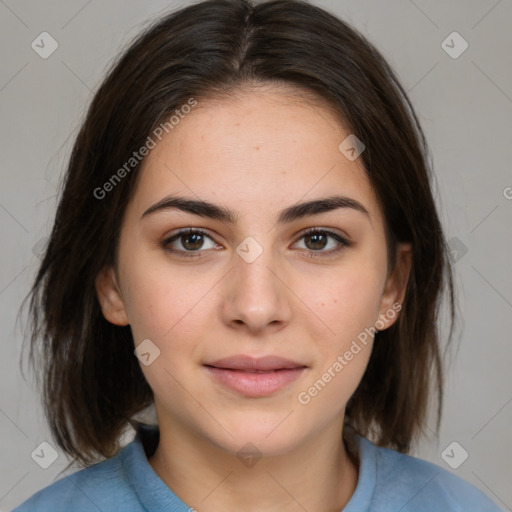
(464,104)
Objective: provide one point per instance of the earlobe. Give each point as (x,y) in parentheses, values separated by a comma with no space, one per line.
(396,286)
(110,298)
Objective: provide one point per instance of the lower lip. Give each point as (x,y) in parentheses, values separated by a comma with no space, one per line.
(255,384)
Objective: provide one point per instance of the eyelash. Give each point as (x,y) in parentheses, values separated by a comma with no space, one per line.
(343,243)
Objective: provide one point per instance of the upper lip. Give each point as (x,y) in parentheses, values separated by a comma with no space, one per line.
(248,363)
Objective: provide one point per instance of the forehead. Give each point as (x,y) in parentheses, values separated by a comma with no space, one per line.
(269,146)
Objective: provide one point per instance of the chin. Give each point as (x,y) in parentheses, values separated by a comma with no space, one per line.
(270,437)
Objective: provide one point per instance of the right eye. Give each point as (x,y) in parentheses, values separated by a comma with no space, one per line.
(191,241)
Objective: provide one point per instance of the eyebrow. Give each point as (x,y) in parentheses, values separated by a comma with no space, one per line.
(216,212)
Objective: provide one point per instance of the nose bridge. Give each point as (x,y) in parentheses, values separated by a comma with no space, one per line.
(257,295)
(255,265)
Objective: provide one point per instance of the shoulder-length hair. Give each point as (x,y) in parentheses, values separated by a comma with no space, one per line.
(92,384)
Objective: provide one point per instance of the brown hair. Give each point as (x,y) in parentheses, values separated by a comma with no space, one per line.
(92,382)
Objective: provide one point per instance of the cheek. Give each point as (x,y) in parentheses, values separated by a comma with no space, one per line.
(346,300)
(349,308)
(159,298)
(347,303)
(167,312)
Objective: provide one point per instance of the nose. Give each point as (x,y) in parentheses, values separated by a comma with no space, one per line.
(256,296)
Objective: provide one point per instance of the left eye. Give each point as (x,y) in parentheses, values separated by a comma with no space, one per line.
(316,240)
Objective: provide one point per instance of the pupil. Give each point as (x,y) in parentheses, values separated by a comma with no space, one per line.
(316,236)
(195,245)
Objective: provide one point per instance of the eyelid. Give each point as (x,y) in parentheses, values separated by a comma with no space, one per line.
(329,231)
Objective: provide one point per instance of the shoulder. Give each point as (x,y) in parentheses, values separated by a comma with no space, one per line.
(102,486)
(408,483)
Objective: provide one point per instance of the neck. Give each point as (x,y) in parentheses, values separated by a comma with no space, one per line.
(318,476)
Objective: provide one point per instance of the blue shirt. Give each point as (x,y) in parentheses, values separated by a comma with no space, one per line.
(388,481)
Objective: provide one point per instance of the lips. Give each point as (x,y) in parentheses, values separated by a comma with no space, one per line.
(255,377)
(252,364)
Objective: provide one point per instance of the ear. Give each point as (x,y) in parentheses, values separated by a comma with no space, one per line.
(396,286)
(110,298)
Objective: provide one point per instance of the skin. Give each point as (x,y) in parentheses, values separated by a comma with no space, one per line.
(255,153)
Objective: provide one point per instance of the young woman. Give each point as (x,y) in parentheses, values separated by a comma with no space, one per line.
(246,239)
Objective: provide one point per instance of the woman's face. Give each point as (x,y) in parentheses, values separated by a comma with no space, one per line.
(255,285)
